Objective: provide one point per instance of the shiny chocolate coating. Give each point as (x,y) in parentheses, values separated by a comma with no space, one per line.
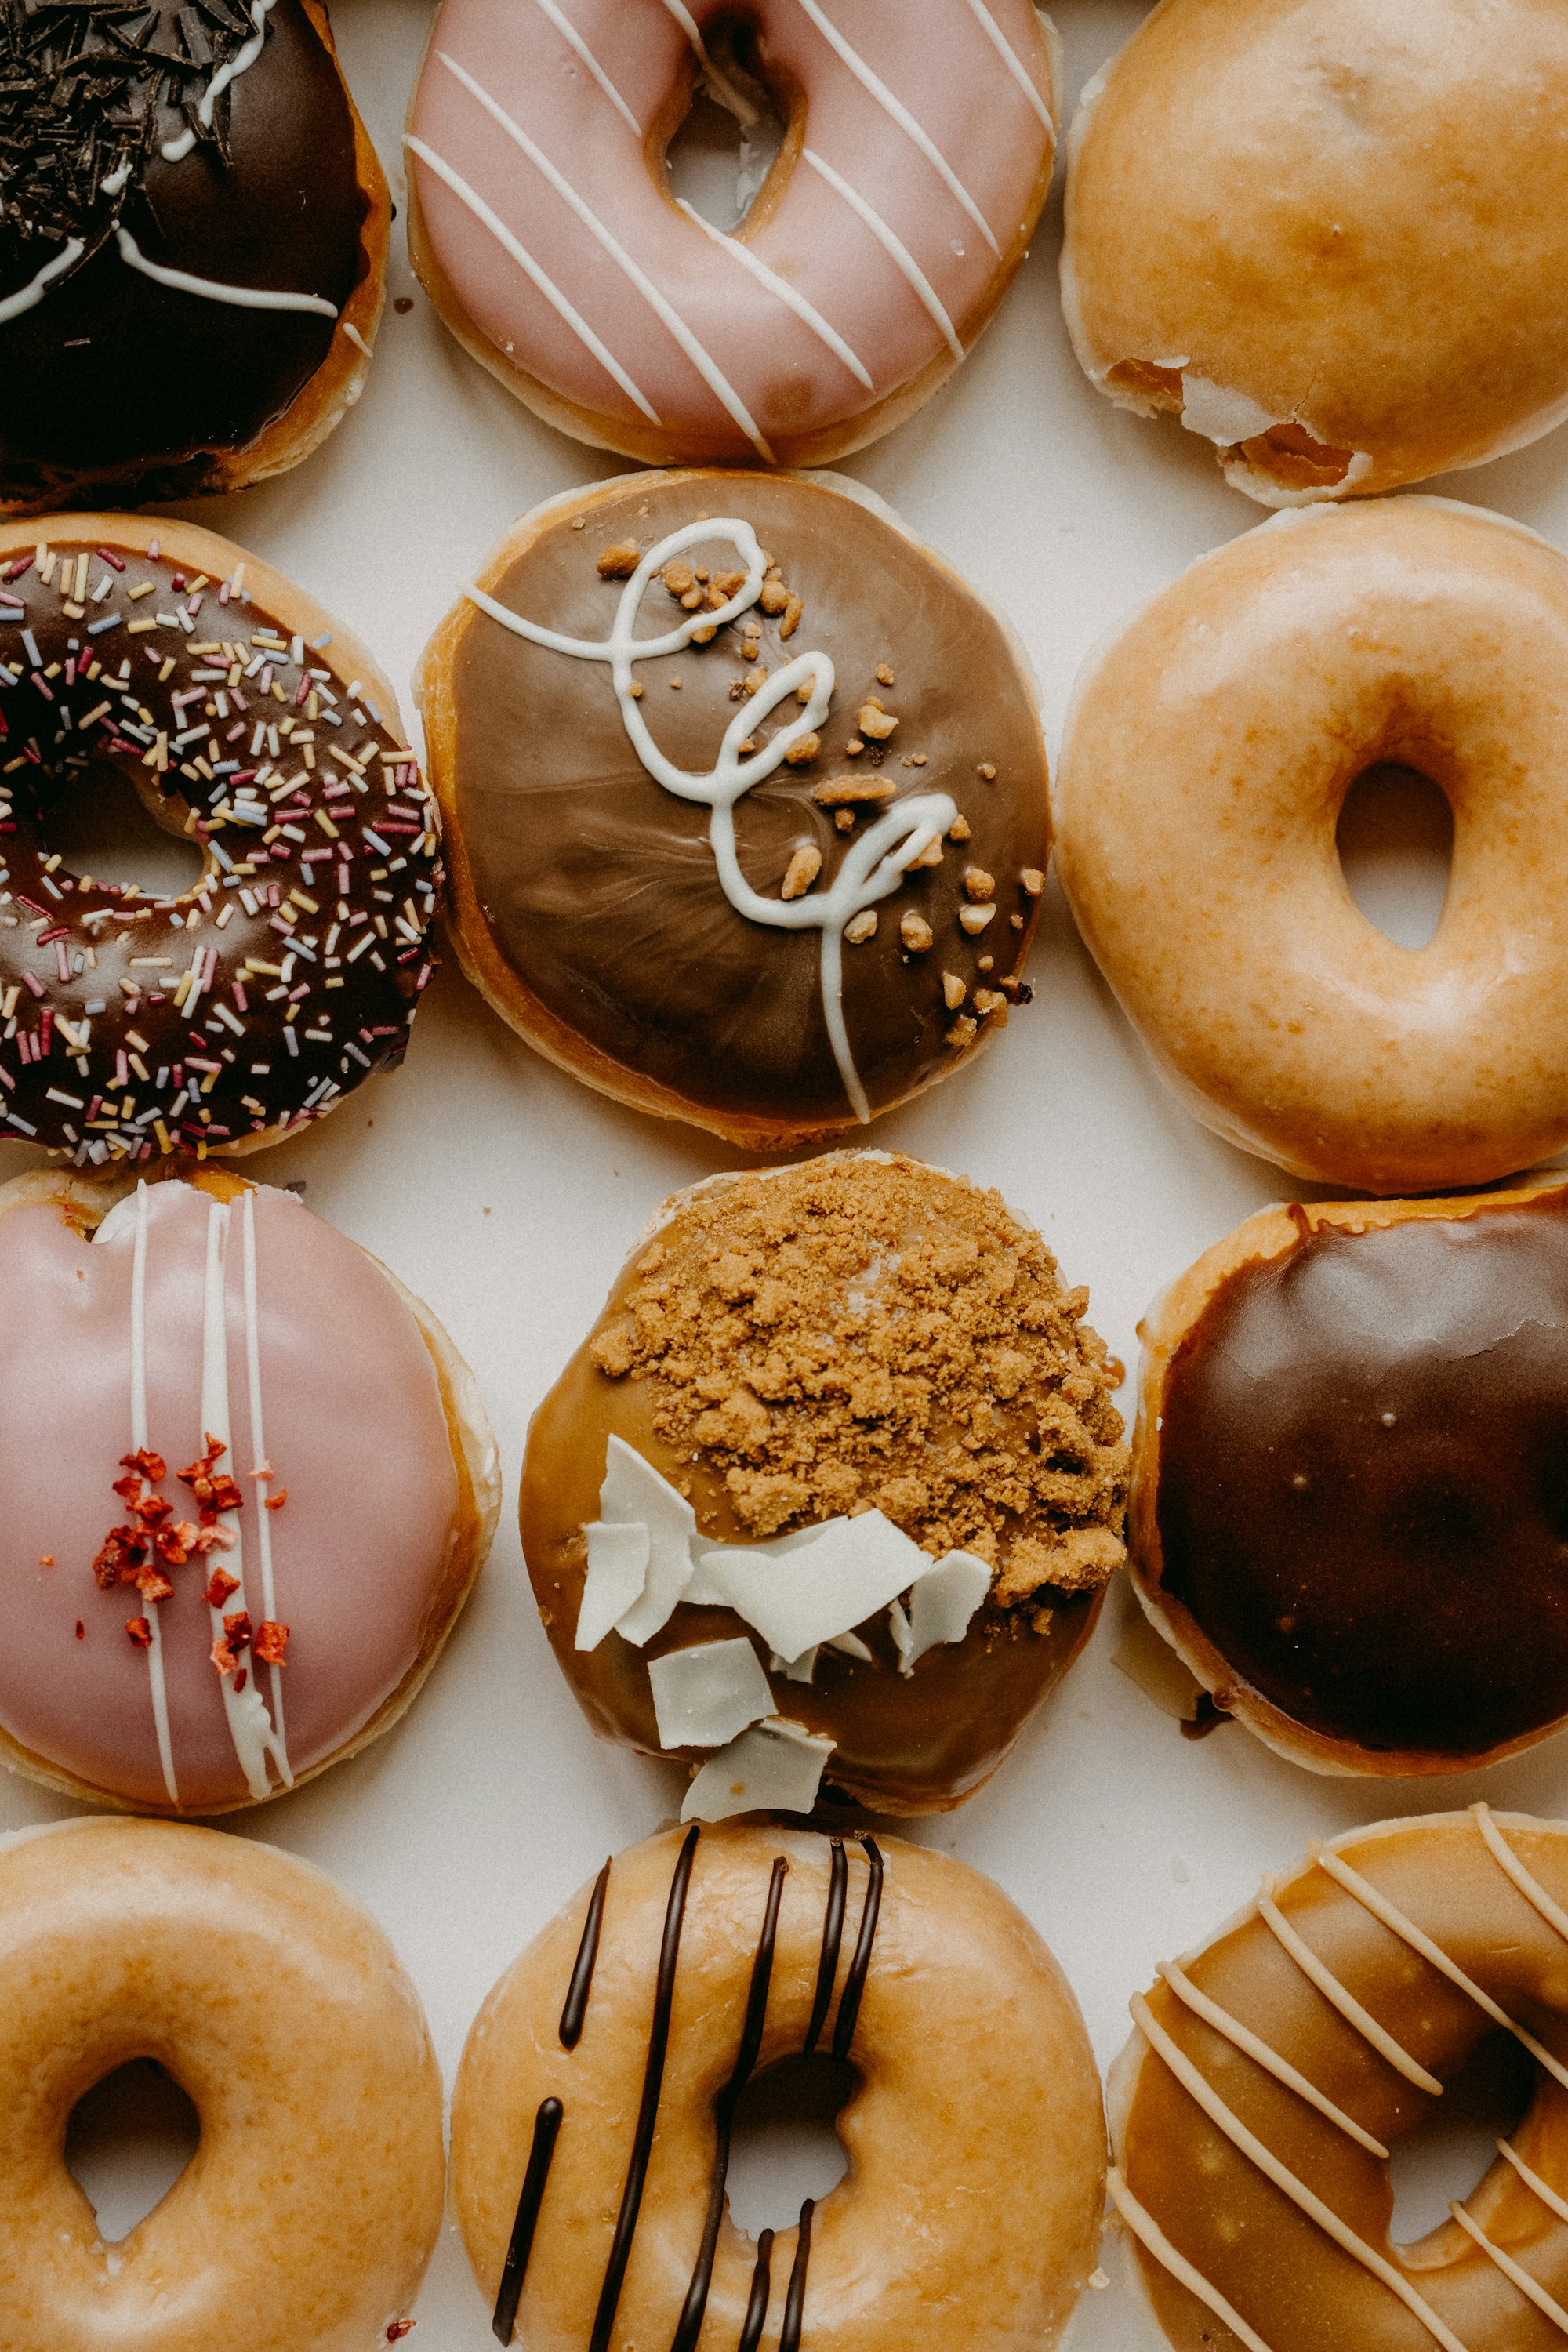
(1363,1482)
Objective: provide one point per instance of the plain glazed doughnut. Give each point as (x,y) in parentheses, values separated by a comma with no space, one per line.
(1208,754)
(192,243)
(974,2131)
(133,1026)
(223,1568)
(306,2217)
(1272,2071)
(1332,238)
(918,154)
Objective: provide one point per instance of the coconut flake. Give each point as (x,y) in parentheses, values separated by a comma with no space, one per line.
(942,1604)
(634,1494)
(1221,415)
(839,1573)
(617,1570)
(775,1767)
(703,1697)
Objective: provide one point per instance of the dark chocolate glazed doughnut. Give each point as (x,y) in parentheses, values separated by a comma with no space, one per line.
(778,872)
(1351,1497)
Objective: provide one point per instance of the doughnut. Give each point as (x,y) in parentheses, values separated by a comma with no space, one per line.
(306,2218)
(974,2129)
(1271,2072)
(235,1558)
(192,243)
(1344,1509)
(762,931)
(834,1485)
(1332,240)
(918,150)
(1209,750)
(158,649)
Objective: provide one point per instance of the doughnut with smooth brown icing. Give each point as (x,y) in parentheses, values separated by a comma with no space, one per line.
(1330,238)
(306,2217)
(1272,2071)
(248,1486)
(134,1026)
(1347,1500)
(834,1486)
(783,874)
(1209,750)
(974,2126)
(916,154)
(193,241)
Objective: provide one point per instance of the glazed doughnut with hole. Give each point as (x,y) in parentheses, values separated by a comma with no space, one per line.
(1272,2071)
(973,2128)
(249,722)
(307,2216)
(917,155)
(1208,753)
(248,1486)
(1332,240)
(193,249)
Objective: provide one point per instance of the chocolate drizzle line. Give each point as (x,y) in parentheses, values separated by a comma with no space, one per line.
(832,1935)
(795,2298)
(575,2007)
(859,1967)
(514,2270)
(757,2305)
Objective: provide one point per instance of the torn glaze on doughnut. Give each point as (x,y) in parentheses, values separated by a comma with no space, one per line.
(133,1026)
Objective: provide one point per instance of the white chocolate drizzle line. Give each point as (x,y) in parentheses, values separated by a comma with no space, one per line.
(896,111)
(1512,2270)
(27,297)
(1543,2190)
(875,864)
(1012,60)
(175,151)
(701,359)
(1532,1891)
(1306,2199)
(574,39)
(525,262)
(1334,1993)
(1144,2226)
(896,251)
(1246,2041)
(137,1444)
(789,295)
(239,297)
(687,24)
(260,1462)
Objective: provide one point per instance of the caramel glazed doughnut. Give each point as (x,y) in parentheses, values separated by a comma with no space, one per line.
(835,1484)
(703,865)
(918,153)
(1253,2111)
(973,2130)
(253,725)
(192,243)
(1209,751)
(306,2218)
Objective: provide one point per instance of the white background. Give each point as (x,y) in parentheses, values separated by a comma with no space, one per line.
(507,1194)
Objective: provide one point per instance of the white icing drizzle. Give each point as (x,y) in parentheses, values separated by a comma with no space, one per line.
(898,252)
(1530,1889)
(687,24)
(358,341)
(1012,60)
(700,357)
(114,181)
(525,262)
(896,111)
(1144,2227)
(175,151)
(1334,1993)
(574,38)
(138,1442)
(1532,2180)
(27,297)
(789,295)
(258,1454)
(875,864)
(1512,2270)
(239,297)
(1246,2041)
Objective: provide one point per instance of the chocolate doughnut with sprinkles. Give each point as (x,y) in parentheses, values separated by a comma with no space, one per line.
(134,1026)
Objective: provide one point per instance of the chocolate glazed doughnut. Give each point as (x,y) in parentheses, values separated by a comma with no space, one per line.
(193,242)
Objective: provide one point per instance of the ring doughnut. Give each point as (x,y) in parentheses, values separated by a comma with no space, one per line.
(306,2220)
(1330,239)
(193,245)
(160,650)
(1209,754)
(874,1367)
(223,1567)
(779,872)
(697,1962)
(918,154)
(1271,2072)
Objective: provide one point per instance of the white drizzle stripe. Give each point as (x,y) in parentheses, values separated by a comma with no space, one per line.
(875,864)
(1367,1896)
(358,341)
(574,38)
(259,1459)
(898,253)
(1334,1993)
(1512,2270)
(701,359)
(175,149)
(1012,60)
(1147,2230)
(238,298)
(1543,2190)
(687,24)
(27,298)
(1530,1889)
(1248,2044)
(896,111)
(1283,2179)
(787,294)
(525,262)
(138,1441)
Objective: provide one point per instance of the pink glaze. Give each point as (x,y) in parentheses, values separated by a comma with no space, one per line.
(938,58)
(355,1432)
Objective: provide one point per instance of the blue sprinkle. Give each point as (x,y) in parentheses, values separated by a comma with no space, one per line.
(97,628)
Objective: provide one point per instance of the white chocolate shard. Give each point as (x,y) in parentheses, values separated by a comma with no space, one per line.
(635,1493)
(775,1767)
(848,1571)
(852,1646)
(942,1604)
(617,1571)
(704,1696)
(797,1670)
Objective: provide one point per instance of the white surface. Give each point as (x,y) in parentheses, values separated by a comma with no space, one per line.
(506,1194)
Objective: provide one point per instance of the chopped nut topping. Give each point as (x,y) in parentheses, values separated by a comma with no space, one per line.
(1016,990)
(803,870)
(988,1000)
(975,919)
(874,721)
(954,991)
(844,819)
(884,673)
(985,963)
(862,926)
(839,791)
(1032,880)
(801,754)
(618,563)
(987,770)
(853,749)
(748,746)
(915,932)
(704,637)
(793,608)
(679,578)
(692,601)
(804,692)
(774,596)
(930,855)
(979,885)
(749,652)
(961,1031)
(636,689)
(754,680)
(914,760)
(1017,921)
(959,829)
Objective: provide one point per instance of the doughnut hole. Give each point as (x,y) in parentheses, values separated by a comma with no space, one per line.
(128,2142)
(785,2146)
(106,829)
(723,146)
(1443,2160)
(1395,842)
